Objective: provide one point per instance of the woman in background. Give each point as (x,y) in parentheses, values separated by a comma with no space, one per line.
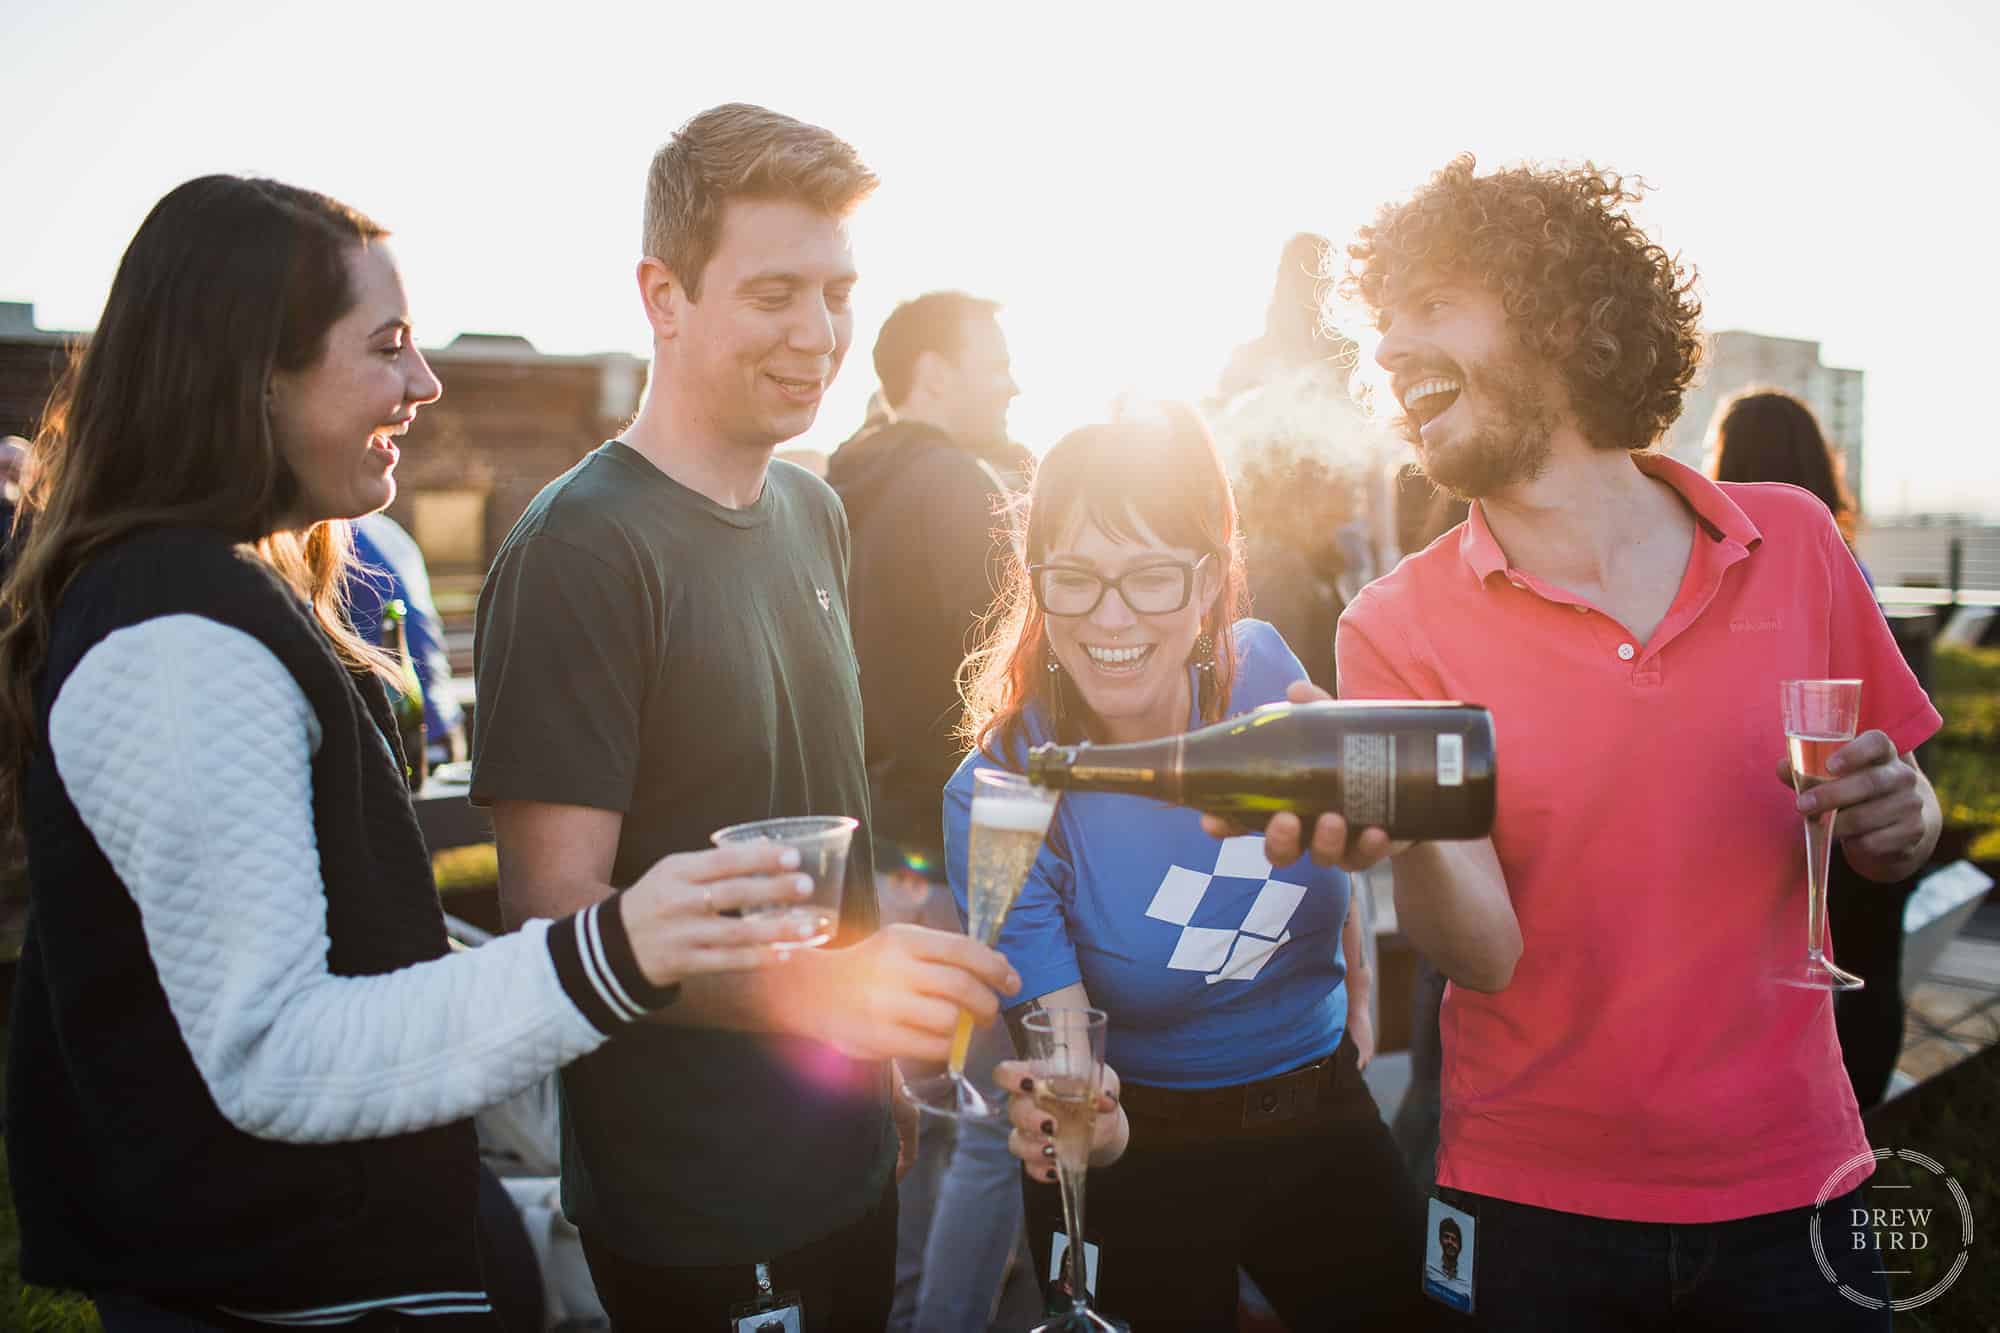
(1769,435)
(241,1060)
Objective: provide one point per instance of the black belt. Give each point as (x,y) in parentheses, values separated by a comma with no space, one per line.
(1269,1101)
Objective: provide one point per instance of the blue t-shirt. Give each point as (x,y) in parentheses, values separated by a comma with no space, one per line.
(1215,968)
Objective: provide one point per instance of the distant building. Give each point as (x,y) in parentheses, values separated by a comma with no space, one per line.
(511,418)
(1737,360)
(30,360)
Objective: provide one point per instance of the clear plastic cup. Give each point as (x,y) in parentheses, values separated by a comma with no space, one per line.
(821,842)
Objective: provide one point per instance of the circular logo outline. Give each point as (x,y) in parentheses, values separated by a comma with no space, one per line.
(1937,1288)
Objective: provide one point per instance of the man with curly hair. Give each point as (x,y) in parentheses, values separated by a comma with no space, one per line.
(1637,1115)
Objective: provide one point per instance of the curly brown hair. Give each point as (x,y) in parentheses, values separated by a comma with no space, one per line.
(1582,285)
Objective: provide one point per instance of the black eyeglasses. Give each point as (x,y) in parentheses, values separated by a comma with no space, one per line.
(1155,589)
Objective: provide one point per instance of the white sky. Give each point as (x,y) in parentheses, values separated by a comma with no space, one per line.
(1120,179)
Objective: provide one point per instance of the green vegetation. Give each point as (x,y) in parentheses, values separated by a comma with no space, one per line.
(463,869)
(1954,1119)
(32,1309)
(1964,762)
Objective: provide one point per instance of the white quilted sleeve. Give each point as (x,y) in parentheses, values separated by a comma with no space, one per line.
(186,747)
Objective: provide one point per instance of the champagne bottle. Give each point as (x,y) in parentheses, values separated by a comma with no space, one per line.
(407,701)
(1420,770)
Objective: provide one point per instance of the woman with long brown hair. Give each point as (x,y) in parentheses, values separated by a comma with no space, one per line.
(1241,1130)
(241,1062)
(1766,434)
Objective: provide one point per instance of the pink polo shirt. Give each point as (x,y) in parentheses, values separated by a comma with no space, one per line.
(1642,1064)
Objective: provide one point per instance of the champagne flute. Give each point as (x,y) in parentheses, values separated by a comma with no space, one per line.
(1010,817)
(1066,1054)
(1820,717)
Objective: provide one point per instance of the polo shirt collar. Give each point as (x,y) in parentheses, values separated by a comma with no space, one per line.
(1713,510)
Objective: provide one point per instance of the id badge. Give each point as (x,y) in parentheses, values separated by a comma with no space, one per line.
(1061,1247)
(1449,1238)
(771,1312)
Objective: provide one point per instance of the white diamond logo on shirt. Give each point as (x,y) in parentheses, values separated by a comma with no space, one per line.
(825,599)
(1227,955)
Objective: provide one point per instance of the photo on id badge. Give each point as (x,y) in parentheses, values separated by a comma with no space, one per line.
(1448,1252)
(786,1318)
(1059,1243)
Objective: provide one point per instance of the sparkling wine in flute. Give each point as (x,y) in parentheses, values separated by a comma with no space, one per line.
(1809,756)
(1819,717)
(1072,1104)
(1009,817)
(1005,840)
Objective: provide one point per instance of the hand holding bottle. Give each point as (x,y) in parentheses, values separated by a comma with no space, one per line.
(1284,836)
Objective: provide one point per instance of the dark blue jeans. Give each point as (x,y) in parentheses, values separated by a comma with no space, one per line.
(1540,1270)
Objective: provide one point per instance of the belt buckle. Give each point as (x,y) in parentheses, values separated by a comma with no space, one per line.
(1283,1098)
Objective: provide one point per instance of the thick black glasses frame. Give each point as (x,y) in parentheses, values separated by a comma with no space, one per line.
(1104,585)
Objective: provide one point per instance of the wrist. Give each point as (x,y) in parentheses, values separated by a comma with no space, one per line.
(797,994)
(595,965)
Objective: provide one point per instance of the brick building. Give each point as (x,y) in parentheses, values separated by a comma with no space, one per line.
(510,419)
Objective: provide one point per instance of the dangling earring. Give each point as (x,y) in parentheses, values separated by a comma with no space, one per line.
(1056,709)
(1204,653)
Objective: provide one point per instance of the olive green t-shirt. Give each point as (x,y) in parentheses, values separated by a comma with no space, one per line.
(640,648)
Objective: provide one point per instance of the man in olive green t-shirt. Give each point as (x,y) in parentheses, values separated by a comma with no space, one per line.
(663,649)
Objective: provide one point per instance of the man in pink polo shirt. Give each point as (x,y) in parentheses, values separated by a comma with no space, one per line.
(1637,1117)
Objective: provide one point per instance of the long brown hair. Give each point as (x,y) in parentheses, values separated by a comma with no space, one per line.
(1768,435)
(160,416)
(1159,470)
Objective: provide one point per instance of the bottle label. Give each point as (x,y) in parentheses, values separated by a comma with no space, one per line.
(1368,779)
(1451,759)
(1103,773)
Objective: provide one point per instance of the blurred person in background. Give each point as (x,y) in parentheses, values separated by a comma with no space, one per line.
(1296,449)
(241,1060)
(14,459)
(1241,1130)
(389,566)
(922,493)
(1764,434)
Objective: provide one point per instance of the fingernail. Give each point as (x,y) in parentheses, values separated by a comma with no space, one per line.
(1808,804)
(1027,1085)
(789,858)
(1835,764)
(1048,1150)
(1048,1127)
(803,886)
(805,930)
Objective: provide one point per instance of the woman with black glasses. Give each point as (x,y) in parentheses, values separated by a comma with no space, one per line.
(1242,1132)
